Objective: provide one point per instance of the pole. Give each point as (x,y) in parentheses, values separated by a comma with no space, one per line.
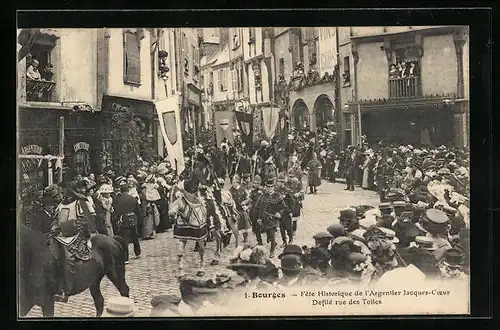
(61,145)
(194,138)
(359,125)
(166,88)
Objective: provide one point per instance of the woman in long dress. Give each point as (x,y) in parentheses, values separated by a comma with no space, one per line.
(151,213)
(366,171)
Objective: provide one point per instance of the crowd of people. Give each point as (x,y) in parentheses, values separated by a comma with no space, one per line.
(422,219)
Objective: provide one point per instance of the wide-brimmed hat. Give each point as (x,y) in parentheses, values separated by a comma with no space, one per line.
(120,307)
(256,257)
(162,169)
(291,249)
(389,234)
(436,216)
(425,243)
(106,189)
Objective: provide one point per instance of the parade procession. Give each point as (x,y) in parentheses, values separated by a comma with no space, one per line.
(220,165)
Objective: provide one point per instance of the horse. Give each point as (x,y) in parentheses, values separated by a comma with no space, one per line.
(38,271)
(190,214)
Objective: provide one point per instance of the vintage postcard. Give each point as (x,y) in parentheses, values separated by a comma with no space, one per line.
(243,171)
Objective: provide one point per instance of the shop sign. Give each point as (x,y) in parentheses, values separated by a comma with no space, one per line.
(327,50)
(116,104)
(32,149)
(81,146)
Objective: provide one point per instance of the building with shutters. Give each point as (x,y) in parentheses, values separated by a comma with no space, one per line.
(405,84)
(259,64)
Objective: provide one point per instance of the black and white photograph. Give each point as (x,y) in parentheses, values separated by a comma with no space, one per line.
(243,171)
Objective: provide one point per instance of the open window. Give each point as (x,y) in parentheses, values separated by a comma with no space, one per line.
(40,74)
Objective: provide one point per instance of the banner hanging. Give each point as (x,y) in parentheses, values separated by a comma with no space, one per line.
(169,118)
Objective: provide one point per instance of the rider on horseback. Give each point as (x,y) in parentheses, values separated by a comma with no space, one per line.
(72,228)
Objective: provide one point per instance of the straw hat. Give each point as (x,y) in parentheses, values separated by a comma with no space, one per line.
(120,307)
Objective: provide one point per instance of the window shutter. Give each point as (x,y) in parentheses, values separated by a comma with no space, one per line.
(132,58)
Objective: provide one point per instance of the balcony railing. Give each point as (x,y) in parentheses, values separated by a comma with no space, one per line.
(400,88)
(39,90)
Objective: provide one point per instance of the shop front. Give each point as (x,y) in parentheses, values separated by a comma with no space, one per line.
(42,132)
(127,130)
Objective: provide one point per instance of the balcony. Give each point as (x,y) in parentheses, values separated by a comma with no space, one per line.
(402,88)
(39,90)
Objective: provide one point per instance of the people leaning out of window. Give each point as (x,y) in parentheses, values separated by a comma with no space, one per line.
(403,69)
(33,71)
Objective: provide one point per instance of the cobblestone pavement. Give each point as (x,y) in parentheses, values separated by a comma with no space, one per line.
(155,272)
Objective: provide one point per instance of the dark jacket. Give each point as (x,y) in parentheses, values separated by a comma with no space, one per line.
(40,220)
(126,209)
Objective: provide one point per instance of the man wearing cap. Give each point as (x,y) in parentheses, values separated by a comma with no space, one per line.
(420,253)
(270,208)
(127,211)
(348,219)
(451,265)
(318,257)
(240,196)
(436,223)
(268,169)
(349,166)
(41,216)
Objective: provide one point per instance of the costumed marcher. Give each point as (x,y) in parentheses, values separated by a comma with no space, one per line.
(314,173)
(285,222)
(75,222)
(268,169)
(270,208)
(240,197)
(126,213)
(295,188)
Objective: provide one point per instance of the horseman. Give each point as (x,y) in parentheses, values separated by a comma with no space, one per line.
(270,208)
(240,197)
(74,224)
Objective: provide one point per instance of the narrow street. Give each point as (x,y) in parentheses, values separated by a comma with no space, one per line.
(155,272)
